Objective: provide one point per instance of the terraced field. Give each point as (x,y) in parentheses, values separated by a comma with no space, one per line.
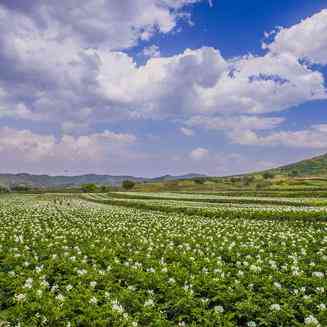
(128,259)
(218,206)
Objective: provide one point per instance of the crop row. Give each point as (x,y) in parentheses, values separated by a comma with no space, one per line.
(208,198)
(226,212)
(265,193)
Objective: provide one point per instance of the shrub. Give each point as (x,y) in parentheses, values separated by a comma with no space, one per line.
(128,184)
(268,175)
(247,180)
(20,188)
(105,188)
(294,173)
(4,189)
(89,188)
(199,180)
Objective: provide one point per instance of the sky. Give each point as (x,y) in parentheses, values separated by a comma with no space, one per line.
(154,87)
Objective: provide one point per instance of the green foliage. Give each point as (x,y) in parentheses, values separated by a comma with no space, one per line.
(21,188)
(78,263)
(235,180)
(4,189)
(312,167)
(199,180)
(128,184)
(248,180)
(105,188)
(294,173)
(221,199)
(295,212)
(89,188)
(268,175)
(263,184)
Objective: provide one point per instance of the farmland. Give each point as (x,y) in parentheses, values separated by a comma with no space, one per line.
(162,259)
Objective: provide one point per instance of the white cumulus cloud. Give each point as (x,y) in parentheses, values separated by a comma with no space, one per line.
(305,40)
(199,154)
(314,137)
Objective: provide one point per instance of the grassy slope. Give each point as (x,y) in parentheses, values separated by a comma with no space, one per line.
(315,167)
(310,175)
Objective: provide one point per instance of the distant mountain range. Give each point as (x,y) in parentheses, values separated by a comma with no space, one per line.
(73,181)
(314,167)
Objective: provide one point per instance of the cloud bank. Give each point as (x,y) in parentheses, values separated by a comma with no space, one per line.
(67,65)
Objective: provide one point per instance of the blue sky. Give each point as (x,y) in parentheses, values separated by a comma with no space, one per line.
(152,87)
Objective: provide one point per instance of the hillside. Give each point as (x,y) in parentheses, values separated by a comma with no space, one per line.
(314,167)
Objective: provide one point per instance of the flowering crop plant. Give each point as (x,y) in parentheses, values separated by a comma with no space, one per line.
(80,263)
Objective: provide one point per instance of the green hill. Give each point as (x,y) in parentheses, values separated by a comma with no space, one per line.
(314,167)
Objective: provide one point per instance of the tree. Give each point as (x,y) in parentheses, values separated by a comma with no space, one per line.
(247,180)
(89,188)
(199,180)
(235,180)
(293,173)
(20,188)
(268,175)
(105,188)
(128,184)
(4,189)
(263,184)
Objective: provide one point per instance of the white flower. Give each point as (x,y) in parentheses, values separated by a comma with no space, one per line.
(149,303)
(44,283)
(318,274)
(255,269)
(311,320)
(240,273)
(275,307)
(54,288)
(20,297)
(93,284)
(117,307)
(28,283)
(219,309)
(277,285)
(251,324)
(69,287)
(322,307)
(60,297)
(81,272)
(320,290)
(93,300)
